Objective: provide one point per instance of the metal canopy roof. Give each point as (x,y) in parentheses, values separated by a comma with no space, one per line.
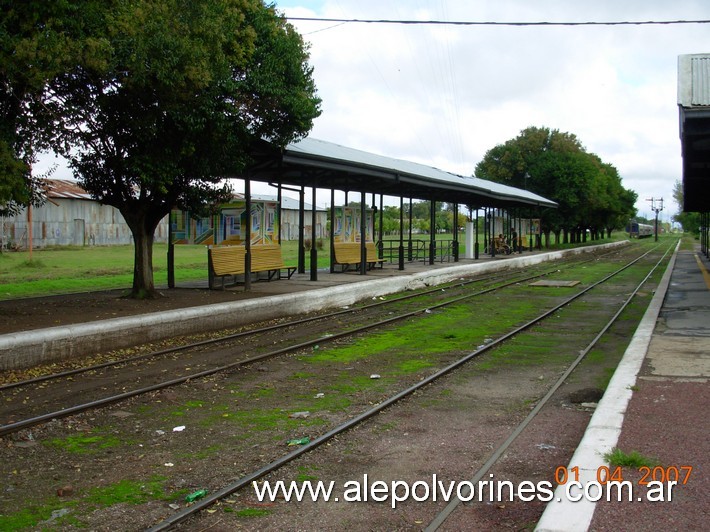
(694,109)
(317,163)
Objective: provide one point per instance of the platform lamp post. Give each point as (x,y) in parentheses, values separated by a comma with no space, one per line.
(656,206)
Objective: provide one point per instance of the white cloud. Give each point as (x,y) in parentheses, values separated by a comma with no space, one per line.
(444,95)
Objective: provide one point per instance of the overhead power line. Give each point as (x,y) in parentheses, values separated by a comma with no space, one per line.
(495,23)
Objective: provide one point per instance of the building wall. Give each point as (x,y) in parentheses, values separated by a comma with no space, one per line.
(72,222)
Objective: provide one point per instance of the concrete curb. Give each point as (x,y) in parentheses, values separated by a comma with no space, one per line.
(29,348)
(602,434)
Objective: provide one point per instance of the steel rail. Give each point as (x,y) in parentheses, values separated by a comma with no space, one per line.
(241,334)
(244,481)
(58,414)
(73,410)
(444,514)
(270,328)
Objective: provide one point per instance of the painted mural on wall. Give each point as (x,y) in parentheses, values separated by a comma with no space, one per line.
(346,224)
(229,225)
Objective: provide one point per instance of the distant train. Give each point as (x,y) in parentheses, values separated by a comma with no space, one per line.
(637,230)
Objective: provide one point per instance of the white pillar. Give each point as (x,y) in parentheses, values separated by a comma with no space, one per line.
(470,228)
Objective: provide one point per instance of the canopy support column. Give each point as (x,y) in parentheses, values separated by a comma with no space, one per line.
(400,254)
(363,234)
(432,231)
(247,237)
(314,247)
(301,229)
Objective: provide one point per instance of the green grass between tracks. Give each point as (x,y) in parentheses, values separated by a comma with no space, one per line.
(56,513)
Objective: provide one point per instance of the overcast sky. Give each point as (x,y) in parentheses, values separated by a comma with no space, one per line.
(444,95)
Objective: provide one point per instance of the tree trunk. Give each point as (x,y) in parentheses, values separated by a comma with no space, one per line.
(143,284)
(143,230)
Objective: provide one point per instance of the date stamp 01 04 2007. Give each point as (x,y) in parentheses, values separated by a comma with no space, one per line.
(655,479)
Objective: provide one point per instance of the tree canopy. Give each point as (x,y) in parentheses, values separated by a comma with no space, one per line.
(154,102)
(555,165)
(690,221)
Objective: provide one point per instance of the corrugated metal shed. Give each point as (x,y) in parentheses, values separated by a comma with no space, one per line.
(694,80)
(70,217)
(63,188)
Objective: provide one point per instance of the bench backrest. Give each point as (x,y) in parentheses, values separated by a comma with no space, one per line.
(229,260)
(371,250)
(349,252)
(266,257)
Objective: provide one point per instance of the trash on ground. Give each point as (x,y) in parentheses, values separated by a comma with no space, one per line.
(374,376)
(545,446)
(56,514)
(299,441)
(319,396)
(299,415)
(179,429)
(195,495)
(65,491)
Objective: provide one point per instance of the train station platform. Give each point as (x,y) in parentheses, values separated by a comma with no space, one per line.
(265,301)
(656,405)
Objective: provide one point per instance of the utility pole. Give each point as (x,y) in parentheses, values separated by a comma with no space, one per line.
(656,206)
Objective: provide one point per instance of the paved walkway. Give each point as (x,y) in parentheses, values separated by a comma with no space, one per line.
(657,404)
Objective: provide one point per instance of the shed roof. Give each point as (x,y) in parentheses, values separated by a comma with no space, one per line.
(286,202)
(694,111)
(313,162)
(65,189)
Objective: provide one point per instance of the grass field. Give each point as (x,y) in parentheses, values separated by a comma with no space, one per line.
(80,269)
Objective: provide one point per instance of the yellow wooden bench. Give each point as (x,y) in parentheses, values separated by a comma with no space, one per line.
(348,253)
(267,258)
(372,256)
(226,261)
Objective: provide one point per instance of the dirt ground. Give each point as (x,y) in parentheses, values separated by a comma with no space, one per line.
(42,312)
(448,430)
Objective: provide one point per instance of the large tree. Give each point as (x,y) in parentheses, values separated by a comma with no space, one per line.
(157,101)
(690,221)
(29,53)
(555,165)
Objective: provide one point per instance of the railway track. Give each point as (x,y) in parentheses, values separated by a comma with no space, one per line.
(383,397)
(27,403)
(247,480)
